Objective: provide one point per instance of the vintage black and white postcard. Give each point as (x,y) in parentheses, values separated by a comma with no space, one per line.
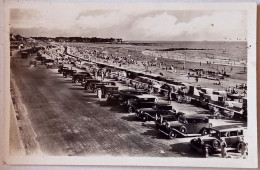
(130,84)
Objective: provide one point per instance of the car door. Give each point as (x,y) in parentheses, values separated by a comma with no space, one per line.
(191,126)
(233,138)
(200,125)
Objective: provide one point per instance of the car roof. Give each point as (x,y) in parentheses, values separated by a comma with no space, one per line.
(132,90)
(163,104)
(108,82)
(81,73)
(195,116)
(109,86)
(227,128)
(145,96)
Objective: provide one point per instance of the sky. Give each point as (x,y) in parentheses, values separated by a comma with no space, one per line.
(131,24)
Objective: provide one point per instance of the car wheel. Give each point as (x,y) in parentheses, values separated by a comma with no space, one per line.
(183,129)
(239,147)
(88,87)
(130,109)
(76,81)
(207,151)
(144,118)
(172,134)
(204,132)
(95,90)
(106,96)
(188,99)
(179,98)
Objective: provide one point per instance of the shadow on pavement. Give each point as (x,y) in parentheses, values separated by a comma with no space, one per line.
(184,149)
(154,134)
(89,95)
(78,85)
(130,118)
(65,82)
(75,88)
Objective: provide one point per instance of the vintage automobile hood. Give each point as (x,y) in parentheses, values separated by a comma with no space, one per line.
(207,138)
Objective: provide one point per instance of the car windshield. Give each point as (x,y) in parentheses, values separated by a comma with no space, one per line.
(214,133)
(223,134)
(182,120)
(169,117)
(147,99)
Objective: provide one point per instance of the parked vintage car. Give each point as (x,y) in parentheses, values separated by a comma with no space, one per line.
(88,83)
(68,72)
(24,54)
(163,119)
(78,77)
(211,143)
(62,68)
(174,87)
(158,110)
(110,92)
(48,63)
(95,86)
(33,63)
(187,125)
(126,94)
(141,101)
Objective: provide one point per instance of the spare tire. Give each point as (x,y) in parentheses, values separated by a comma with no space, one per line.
(216,144)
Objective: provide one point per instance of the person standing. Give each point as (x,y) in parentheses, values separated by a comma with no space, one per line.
(96,74)
(169,94)
(223,149)
(102,75)
(243,149)
(197,79)
(99,94)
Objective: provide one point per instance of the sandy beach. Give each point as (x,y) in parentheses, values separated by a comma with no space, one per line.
(141,54)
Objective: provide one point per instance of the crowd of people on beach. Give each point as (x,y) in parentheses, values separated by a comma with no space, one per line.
(197,73)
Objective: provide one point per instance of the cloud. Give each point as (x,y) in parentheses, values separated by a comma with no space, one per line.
(215,26)
(102,20)
(130,24)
